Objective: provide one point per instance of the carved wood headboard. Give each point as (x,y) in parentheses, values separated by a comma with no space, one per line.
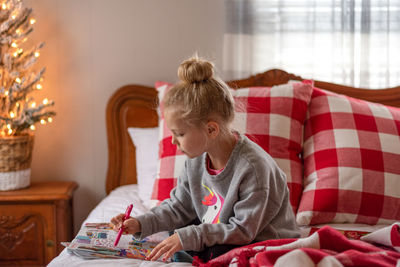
(136,106)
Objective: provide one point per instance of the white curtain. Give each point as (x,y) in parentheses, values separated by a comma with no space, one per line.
(342,41)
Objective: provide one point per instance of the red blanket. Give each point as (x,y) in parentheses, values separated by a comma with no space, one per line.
(326,247)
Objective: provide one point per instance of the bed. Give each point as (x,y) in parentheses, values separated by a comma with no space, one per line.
(135,106)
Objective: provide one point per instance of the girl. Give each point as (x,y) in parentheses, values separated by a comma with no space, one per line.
(230,193)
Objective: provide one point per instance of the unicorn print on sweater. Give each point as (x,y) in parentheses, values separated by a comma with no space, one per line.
(214,202)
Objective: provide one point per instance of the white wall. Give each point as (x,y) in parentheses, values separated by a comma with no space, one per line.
(94,47)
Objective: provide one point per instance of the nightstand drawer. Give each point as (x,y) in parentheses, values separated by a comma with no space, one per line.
(33,222)
(27,233)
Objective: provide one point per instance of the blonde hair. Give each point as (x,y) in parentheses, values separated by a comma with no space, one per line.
(200,95)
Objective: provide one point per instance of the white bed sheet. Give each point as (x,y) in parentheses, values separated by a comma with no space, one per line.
(115,203)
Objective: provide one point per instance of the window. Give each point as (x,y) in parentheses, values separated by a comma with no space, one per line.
(348,42)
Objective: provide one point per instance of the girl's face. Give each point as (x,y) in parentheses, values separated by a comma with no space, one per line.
(190,139)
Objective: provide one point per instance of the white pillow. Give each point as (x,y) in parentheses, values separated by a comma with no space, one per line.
(146,143)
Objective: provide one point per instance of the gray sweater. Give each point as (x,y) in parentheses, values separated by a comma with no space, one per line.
(247,202)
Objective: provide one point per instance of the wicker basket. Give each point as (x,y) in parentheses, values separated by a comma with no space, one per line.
(15,161)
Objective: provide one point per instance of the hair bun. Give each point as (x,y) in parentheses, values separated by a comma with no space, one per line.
(195,70)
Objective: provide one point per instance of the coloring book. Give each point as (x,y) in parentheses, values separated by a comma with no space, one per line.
(96,240)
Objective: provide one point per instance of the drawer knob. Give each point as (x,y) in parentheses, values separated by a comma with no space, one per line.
(50,243)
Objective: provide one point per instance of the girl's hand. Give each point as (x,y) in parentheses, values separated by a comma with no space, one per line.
(168,247)
(131,225)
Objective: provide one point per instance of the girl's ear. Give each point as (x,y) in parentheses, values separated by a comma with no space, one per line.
(212,129)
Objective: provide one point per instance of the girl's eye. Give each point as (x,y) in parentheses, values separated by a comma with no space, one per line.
(176,134)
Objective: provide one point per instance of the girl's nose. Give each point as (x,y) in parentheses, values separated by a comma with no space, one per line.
(173,140)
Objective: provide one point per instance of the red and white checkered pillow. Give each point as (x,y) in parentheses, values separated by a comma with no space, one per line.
(273,117)
(351,161)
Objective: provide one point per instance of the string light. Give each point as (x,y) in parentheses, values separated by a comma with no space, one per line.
(45,101)
(32,21)
(14,44)
(33,104)
(39,86)
(32,127)
(37,54)
(18,80)
(19,51)
(50,119)
(42,121)
(4,6)
(12,114)
(9,129)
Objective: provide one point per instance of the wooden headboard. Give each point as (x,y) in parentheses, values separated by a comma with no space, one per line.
(135,106)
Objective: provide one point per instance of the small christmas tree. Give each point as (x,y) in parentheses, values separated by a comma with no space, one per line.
(18,111)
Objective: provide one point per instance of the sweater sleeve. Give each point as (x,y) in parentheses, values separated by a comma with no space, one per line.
(254,210)
(173,213)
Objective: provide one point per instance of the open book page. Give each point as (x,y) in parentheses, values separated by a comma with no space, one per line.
(96,240)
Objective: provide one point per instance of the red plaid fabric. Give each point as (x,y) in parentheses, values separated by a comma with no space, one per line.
(273,117)
(326,247)
(171,159)
(388,236)
(351,161)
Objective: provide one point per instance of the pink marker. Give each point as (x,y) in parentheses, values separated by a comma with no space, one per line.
(121,230)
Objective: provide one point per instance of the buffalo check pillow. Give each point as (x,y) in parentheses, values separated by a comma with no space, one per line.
(351,161)
(273,117)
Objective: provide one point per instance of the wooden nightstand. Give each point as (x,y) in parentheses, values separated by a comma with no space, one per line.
(33,222)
